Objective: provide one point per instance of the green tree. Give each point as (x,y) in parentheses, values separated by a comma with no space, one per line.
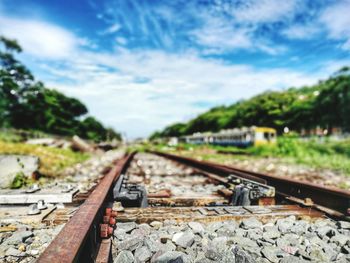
(28,104)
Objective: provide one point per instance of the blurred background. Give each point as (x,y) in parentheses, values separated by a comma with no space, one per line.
(198,78)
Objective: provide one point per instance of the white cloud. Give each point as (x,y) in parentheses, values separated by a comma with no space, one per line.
(219,35)
(301,31)
(112,29)
(121,40)
(336,19)
(262,11)
(39,38)
(178,83)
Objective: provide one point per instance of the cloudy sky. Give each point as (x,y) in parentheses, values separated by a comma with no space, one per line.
(141,65)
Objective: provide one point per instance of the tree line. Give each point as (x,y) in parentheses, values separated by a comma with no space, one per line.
(325,104)
(27,104)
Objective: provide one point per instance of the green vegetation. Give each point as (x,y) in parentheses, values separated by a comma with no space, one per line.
(19,181)
(52,160)
(317,153)
(27,104)
(326,104)
(326,154)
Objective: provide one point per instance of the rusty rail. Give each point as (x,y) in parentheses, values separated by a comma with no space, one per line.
(209,167)
(79,240)
(333,201)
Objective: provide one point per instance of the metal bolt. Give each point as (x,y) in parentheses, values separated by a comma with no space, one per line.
(105,230)
(108,211)
(112,221)
(106,219)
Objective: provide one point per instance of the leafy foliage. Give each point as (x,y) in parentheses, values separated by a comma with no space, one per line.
(28,104)
(326,104)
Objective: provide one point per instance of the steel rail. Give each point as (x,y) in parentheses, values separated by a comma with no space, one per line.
(79,240)
(337,201)
(209,167)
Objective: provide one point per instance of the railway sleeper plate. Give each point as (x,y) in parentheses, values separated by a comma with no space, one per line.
(209,214)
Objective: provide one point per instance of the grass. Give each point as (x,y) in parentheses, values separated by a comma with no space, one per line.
(316,153)
(322,154)
(9,137)
(52,160)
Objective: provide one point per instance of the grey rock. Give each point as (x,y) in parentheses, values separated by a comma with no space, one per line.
(183,239)
(243,241)
(168,246)
(346,249)
(124,256)
(270,253)
(140,232)
(240,232)
(203,259)
(325,231)
(291,259)
(265,242)
(293,239)
(317,254)
(216,248)
(126,227)
(300,227)
(241,256)
(330,253)
(261,260)
(316,241)
(19,237)
(145,227)
(255,233)
(173,229)
(292,250)
(120,234)
(196,227)
(142,254)
(130,244)
(228,229)
(344,224)
(340,239)
(45,238)
(191,252)
(251,222)
(11,165)
(323,222)
(253,251)
(212,227)
(341,260)
(169,257)
(271,233)
(156,224)
(11,251)
(152,245)
(302,252)
(169,222)
(284,225)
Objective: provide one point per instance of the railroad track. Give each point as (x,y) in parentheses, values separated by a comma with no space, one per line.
(145,194)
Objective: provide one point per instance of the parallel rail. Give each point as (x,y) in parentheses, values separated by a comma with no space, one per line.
(335,202)
(79,240)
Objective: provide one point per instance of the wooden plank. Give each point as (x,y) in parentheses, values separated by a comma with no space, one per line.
(12,214)
(49,196)
(186,214)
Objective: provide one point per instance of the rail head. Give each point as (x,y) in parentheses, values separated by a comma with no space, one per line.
(335,200)
(79,238)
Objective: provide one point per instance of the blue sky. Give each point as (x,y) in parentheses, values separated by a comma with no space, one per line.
(141,65)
